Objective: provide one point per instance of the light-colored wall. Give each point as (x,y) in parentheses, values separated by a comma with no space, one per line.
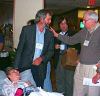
(24,10)
(6,13)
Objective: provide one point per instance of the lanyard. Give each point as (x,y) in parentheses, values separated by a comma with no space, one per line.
(91,35)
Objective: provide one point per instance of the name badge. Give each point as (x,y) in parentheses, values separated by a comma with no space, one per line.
(62,47)
(86,43)
(39,46)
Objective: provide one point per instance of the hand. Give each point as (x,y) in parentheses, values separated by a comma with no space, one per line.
(27,83)
(96,78)
(98,65)
(37,61)
(77,62)
(57,46)
(54,32)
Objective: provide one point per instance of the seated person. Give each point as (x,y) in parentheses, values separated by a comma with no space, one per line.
(12,84)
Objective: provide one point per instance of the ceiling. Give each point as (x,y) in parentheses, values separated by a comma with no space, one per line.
(61,6)
(57,6)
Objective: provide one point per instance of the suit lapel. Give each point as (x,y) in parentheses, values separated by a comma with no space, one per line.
(33,34)
(46,38)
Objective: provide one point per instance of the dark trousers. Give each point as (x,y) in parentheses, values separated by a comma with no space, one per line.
(39,80)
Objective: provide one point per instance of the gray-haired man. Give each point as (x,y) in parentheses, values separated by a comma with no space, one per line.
(36,47)
(89,37)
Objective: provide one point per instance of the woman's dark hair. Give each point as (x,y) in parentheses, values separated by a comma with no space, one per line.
(60,19)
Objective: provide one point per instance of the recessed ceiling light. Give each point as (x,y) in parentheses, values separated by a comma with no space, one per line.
(88,7)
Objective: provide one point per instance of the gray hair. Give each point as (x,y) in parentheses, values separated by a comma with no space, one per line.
(8,69)
(91,15)
(42,14)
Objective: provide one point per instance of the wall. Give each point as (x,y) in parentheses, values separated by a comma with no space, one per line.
(24,10)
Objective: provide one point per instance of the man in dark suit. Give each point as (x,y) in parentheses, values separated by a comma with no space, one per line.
(36,47)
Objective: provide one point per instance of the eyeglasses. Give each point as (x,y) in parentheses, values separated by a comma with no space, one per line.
(84,20)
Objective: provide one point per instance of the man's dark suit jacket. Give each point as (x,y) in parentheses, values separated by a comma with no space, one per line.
(26,49)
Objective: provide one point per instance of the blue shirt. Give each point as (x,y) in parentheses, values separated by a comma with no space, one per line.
(39,41)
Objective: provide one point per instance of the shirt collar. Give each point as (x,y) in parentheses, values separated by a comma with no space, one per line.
(62,33)
(37,29)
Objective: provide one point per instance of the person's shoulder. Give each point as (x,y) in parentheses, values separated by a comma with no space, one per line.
(2,75)
(83,31)
(6,83)
(6,80)
(1,35)
(29,26)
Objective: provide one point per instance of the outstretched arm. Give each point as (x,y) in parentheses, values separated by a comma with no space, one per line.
(96,77)
(54,32)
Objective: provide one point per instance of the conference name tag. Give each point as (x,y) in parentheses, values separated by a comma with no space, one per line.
(39,46)
(86,43)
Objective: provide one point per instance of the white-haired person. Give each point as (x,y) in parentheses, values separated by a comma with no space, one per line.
(89,37)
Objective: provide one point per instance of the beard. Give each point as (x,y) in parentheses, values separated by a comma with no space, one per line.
(47,26)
